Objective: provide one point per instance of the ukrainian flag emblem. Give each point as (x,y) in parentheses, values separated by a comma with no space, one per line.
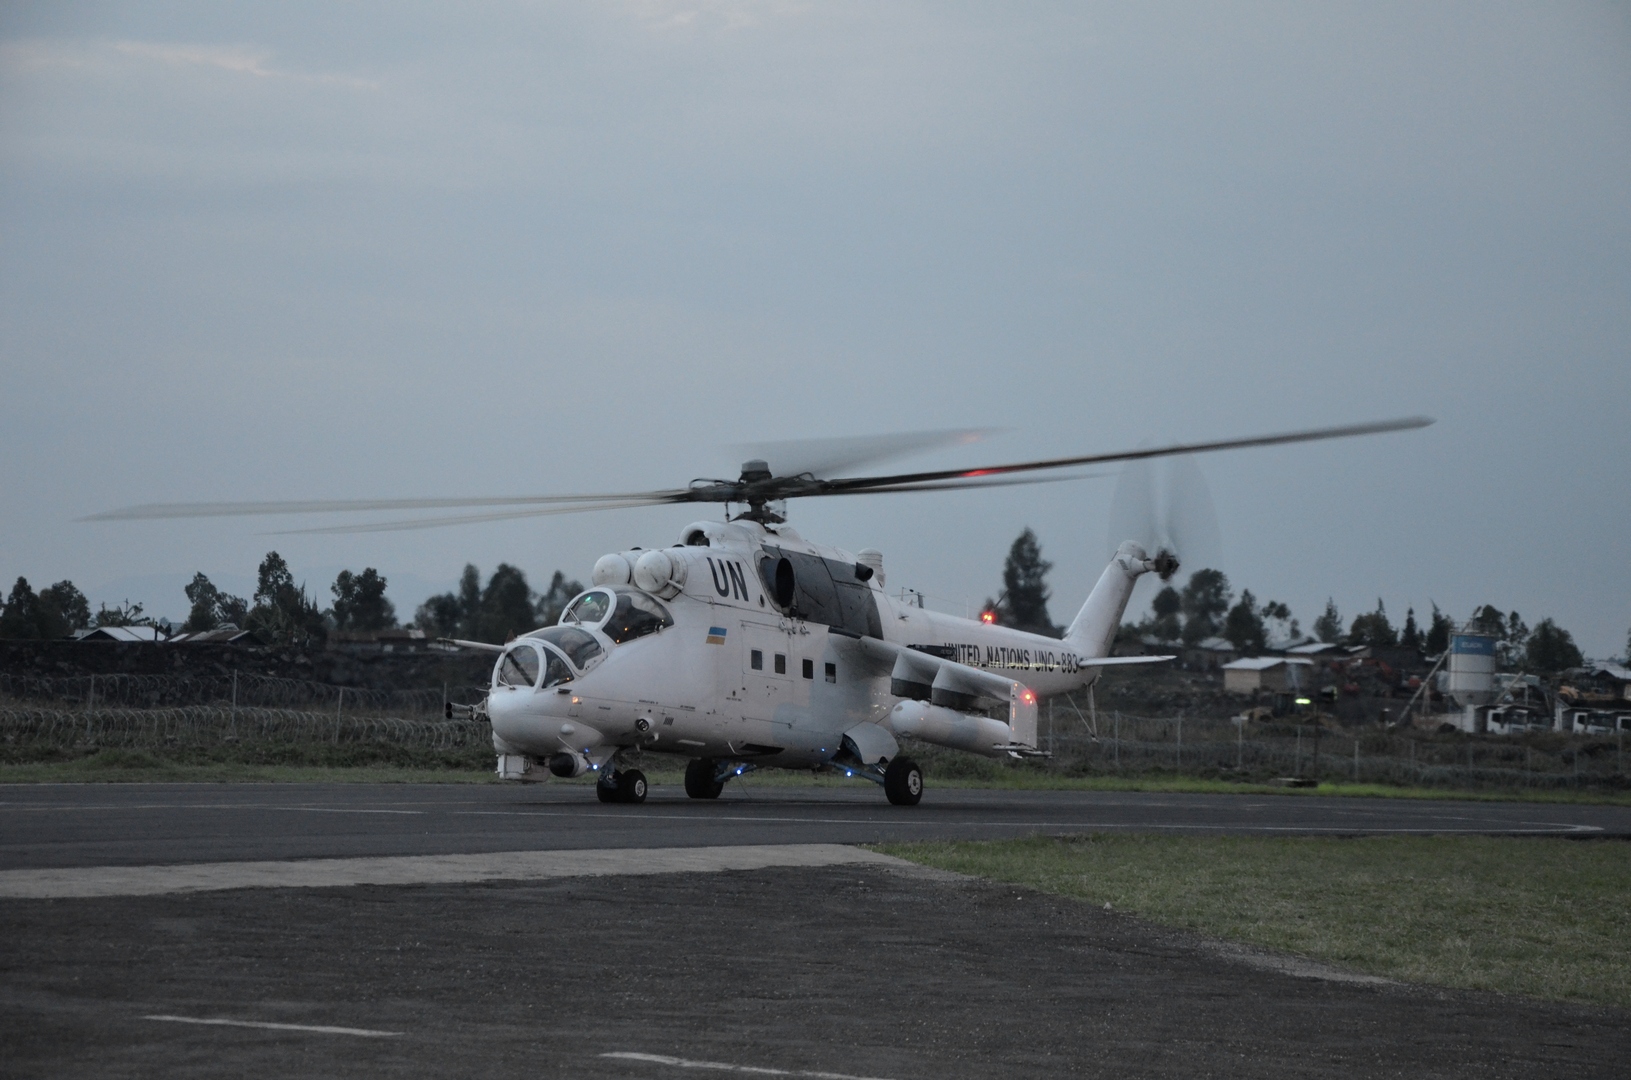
(716,635)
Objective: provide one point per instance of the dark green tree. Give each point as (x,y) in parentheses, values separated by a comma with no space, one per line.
(1166,622)
(1551,648)
(439,616)
(283,614)
(1438,633)
(1410,636)
(1373,628)
(55,612)
(506,606)
(1205,600)
(125,614)
(211,607)
(553,600)
(1489,620)
(1328,627)
(360,603)
(1278,625)
(1024,603)
(63,609)
(1243,626)
(454,614)
(20,617)
(1515,636)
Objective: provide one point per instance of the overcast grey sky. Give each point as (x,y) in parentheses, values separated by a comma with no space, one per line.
(318,250)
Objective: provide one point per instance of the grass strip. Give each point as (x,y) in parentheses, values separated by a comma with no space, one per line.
(299,764)
(1544,918)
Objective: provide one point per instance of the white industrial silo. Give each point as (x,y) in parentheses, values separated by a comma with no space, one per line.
(1471,678)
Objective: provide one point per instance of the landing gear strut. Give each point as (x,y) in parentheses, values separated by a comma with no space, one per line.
(621,786)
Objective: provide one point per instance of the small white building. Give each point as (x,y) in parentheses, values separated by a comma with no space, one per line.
(1254,673)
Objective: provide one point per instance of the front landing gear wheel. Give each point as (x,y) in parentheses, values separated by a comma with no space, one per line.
(631,786)
(606,789)
(699,779)
(903,782)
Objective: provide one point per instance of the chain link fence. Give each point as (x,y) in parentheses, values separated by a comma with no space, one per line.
(1115,743)
(234,689)
(201,726)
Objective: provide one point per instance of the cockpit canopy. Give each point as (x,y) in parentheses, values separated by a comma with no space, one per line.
(524,662)
(622,614)
(579,646)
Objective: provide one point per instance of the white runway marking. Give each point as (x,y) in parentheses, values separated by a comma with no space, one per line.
(86,882)
(1498,829)
(724,1066)
(320,1028)
(53,808)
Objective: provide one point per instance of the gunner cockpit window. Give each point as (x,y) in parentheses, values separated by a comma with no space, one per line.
(555,669)
(579,646)
(519,667)
(635,616)
(592,608)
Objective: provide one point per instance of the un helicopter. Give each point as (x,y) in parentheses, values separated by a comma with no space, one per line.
(744,646)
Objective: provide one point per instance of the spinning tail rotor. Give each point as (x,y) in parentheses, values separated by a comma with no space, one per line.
(1165,507)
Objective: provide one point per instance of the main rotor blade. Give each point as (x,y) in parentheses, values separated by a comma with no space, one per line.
(153,511)
(471,519)
(863,483)
(822,457)
(958,485)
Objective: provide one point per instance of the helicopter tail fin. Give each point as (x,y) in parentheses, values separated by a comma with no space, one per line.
(1093,631)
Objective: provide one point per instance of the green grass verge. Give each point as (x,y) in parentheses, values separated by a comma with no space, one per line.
(1544,918)
(365,763)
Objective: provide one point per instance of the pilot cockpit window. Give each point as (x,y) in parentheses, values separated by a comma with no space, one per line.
(579,646)
(592,607)
(635,616)
(518,667)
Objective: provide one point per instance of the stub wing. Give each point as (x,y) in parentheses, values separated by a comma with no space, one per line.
(1123,661)
(942,696)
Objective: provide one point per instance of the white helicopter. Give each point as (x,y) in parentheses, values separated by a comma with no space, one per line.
(744,646)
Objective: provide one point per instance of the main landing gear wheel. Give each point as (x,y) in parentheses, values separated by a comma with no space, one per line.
(903,782)
(624,786)
(699,779)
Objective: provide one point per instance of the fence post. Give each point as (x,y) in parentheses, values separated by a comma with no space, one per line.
(234,701)
(1240,745)
(1356,761)
(1180,743)
(1297,767)
(1118,740)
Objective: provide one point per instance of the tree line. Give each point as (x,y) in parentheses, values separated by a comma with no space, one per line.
(283,612)
(1206,607)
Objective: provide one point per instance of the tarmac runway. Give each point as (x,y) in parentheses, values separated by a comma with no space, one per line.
(440,930)
(65,825)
